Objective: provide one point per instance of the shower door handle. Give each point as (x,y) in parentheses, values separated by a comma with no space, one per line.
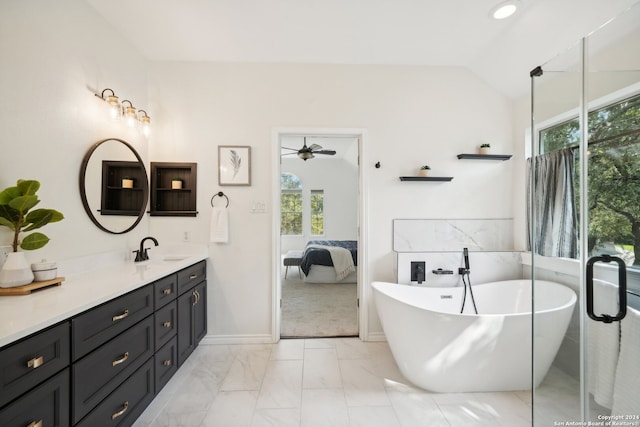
(622,289)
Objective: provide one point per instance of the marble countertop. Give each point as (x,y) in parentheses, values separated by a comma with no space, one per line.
(85,288)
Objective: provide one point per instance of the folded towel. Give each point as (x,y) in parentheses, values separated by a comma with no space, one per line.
(626,394)
(219,225)
(604,344)
(341,258)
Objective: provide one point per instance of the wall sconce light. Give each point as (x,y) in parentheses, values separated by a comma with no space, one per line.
(145,121)
(129,113)
(115,108)
(119,109)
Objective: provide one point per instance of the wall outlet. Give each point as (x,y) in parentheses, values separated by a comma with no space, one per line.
(186,236)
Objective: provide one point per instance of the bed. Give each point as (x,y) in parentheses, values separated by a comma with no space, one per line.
(330,261)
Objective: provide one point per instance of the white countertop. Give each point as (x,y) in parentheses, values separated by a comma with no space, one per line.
(23,315)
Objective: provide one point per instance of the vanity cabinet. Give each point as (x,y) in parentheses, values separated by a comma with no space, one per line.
(46,405)
(192,309)
(34,379)
(103,367)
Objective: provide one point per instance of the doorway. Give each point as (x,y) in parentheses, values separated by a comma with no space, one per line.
(586,113)
(317,205)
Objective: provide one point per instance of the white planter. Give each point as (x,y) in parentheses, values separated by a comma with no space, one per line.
(127,183)
(423,172)
(484,150)
(176,185)
(15,271)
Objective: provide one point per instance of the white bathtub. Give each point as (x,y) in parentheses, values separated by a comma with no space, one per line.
(441,350)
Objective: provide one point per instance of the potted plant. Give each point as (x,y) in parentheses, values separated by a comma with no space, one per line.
(424,170)
(16,214)
(127,182)
(485,148)
(176,183)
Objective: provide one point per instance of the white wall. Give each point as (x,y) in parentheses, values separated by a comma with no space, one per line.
(53,57)
(412,115)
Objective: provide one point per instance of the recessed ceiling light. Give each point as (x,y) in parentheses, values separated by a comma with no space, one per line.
(504,9)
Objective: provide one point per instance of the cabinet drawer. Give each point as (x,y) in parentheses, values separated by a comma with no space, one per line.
(125,403)
(100,324)
(191,276)
(166,363)
(166,323)
(47,404)
(100,372)
(165,290)
(29,362)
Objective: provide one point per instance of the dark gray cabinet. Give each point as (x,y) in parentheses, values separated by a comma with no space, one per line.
(46,405)
(98,325)
(125,403)
(27,363)
(192,310)
(95,376)
(104,366)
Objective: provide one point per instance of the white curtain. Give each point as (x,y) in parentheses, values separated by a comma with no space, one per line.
(554,205)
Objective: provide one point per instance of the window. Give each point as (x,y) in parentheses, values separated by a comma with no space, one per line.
(317,212)
(614,175)
(290,205)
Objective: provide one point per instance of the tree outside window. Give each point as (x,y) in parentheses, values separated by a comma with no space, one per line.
(290,205)
(317,212)
(614,174)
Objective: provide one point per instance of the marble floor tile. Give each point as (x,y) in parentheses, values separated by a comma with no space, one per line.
(282,385)
(367,416)
(333,382)
(321,368)
(231,409)
(363,383)
(276,418)
(323,408)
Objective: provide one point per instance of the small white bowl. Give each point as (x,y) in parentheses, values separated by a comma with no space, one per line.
(44,271)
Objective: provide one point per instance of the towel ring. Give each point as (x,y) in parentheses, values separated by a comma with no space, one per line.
(220,194)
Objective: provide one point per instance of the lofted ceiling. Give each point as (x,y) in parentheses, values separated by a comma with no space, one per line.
(395,32)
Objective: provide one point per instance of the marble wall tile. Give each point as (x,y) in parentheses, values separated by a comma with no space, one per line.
(446,235)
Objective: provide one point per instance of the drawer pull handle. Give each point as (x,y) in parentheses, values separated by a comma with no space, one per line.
(120,316)
(167,362)
(195,297)
(121,360)
(35,424)
(35,362)
(167,291)
(193,276)
(167,324)
(121,411)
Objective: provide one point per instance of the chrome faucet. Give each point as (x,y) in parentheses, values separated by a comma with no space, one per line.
(141,254)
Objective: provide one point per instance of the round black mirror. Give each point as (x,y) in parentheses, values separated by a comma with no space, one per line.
(114,186)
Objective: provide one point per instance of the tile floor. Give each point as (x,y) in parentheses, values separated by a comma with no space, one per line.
(317,382)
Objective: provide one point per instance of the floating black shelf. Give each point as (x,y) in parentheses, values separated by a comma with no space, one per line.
(426,178)
(485,156)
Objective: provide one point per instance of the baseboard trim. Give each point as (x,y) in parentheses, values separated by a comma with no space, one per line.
(236,339)
(376,336)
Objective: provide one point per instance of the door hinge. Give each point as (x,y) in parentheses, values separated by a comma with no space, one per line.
(358,302)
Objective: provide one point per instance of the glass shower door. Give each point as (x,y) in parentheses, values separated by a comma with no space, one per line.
(586,102)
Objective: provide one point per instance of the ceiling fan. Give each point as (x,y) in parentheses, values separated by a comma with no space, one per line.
(307,152)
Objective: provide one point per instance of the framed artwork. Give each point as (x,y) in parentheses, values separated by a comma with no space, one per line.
(234,165)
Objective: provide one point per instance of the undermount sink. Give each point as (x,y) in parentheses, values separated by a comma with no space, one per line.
(174,257)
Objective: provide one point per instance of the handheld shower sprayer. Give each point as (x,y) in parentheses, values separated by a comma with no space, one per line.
(464,271)
(465,252)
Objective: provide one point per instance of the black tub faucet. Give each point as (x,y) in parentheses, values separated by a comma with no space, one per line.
(141,254)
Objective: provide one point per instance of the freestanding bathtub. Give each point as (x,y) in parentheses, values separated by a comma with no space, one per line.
(441,350)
